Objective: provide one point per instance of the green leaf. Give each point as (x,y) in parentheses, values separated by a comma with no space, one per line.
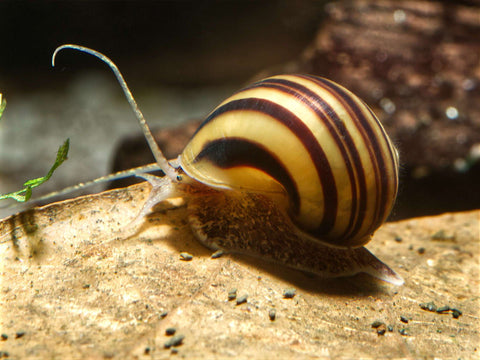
(25,194)
(3,104)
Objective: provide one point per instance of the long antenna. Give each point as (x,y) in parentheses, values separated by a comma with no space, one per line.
(138,171)
(157,153)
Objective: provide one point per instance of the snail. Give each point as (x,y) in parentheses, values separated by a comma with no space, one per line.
(293,169)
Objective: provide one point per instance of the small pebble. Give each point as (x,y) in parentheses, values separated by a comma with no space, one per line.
(456,313)
(377,323)
(398,238)
(403,319)
(272,314)
(380,327)
(4,336)
(19,334)
(390,328)
(170,331)
(174,351)
(217,254)
(421,251)
(186,256)
(403,331)
(232,294)
(441,235)
(443,309)
(164,314)
(4,354)
(430,306)
(289,293)
(242,299)
(146,351)
(174,341)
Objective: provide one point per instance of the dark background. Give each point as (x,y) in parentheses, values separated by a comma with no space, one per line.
(175,42)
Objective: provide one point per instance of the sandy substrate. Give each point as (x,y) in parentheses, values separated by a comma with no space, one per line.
(75,284)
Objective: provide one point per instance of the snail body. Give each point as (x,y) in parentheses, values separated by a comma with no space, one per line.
(294,169)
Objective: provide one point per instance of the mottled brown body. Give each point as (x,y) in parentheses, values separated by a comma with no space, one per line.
(252,224)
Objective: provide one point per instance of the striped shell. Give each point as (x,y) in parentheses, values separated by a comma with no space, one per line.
(307,137)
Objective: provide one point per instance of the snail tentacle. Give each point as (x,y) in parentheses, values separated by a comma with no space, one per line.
(162,162)
(83,185)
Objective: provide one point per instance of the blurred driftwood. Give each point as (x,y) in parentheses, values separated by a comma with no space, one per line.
(417,63)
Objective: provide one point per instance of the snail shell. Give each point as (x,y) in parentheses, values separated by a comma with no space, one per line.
(309,140)
(294,169)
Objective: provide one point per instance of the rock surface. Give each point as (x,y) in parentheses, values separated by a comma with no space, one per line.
(76,284)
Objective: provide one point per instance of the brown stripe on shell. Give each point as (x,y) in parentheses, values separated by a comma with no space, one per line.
(340,136)
(390,191)
(310,143)
(368,136)
(233,152)
(376,156)
(391,151)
